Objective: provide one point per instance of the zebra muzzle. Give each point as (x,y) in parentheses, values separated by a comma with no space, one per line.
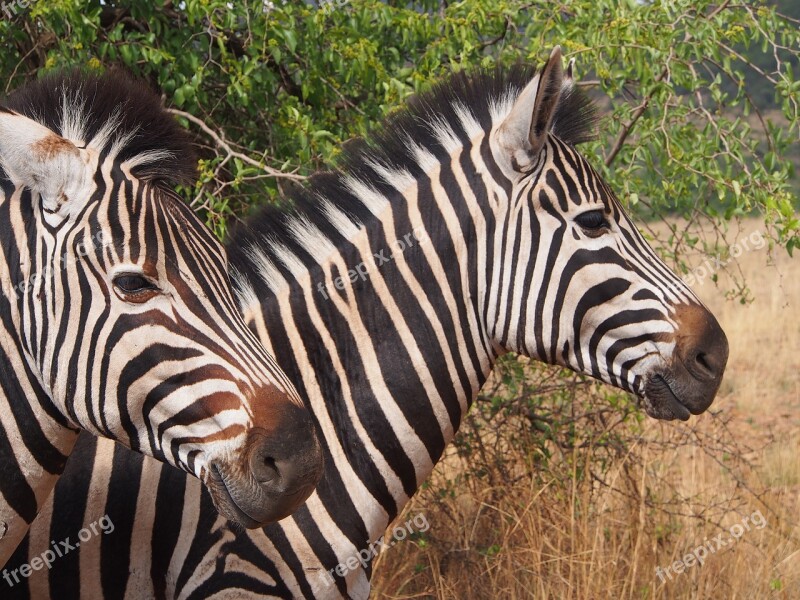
(276,472)
(691,381)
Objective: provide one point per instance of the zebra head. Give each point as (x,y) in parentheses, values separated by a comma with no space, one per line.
(579,285)
(122,300)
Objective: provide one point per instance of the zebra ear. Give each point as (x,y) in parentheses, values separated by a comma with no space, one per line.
(524,131)
(569,77)
(36,157)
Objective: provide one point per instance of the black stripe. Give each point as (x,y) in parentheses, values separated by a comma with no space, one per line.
(69,513)
(167,525)
(123,489)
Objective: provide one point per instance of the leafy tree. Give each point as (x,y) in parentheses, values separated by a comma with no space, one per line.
(271,89)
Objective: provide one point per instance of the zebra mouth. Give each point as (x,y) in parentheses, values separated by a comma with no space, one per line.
(224,501)
(661,402)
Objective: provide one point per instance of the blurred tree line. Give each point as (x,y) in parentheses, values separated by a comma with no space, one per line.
(700,98)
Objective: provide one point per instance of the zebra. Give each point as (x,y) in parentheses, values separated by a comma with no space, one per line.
(467,226)
(118,316)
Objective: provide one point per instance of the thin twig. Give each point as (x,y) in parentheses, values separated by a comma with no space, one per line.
(221,143)
(627,127)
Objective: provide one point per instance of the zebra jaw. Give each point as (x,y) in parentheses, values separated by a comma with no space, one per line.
(252,507)
(223,499)
(275,473)
(689,383)
(660,402)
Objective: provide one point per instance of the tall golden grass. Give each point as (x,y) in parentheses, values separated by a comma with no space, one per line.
(573,494)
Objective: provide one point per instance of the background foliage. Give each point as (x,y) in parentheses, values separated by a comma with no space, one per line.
(701,97)
(701,122)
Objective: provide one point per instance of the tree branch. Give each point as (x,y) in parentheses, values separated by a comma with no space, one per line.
(627,127)
(223,145)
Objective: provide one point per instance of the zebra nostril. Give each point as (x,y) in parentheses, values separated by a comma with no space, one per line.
(704,365)
(263,466)
(701,344)
(700,359)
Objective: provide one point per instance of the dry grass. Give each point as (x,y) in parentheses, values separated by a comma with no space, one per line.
(560,520)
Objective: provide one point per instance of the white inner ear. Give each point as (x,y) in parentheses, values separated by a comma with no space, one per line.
(36,157)
(513,135)
(524,131)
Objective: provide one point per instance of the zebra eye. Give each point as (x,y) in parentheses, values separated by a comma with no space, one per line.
(593,220)
(135,287)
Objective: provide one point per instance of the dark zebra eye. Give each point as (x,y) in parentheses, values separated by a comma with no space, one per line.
(592,220)
(134,285)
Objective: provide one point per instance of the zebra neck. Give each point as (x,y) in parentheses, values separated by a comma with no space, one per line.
(384,340)
(35,438)
(35,442)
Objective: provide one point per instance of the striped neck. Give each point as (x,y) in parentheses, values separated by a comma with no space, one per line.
(378,293)
(399,349)
(35,438)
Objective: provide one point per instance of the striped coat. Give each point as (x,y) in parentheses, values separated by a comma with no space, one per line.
(117,315)
(467,226)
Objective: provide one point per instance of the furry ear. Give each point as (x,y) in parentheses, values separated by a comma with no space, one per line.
(36,157)
(524,131)
(569,78)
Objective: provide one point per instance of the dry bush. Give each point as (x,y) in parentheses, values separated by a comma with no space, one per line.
(557,487)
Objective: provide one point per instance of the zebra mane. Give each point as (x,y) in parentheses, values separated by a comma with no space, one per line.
(116,114)
(323,213)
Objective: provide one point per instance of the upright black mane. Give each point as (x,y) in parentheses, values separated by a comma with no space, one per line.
(98,99)
(387,148)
